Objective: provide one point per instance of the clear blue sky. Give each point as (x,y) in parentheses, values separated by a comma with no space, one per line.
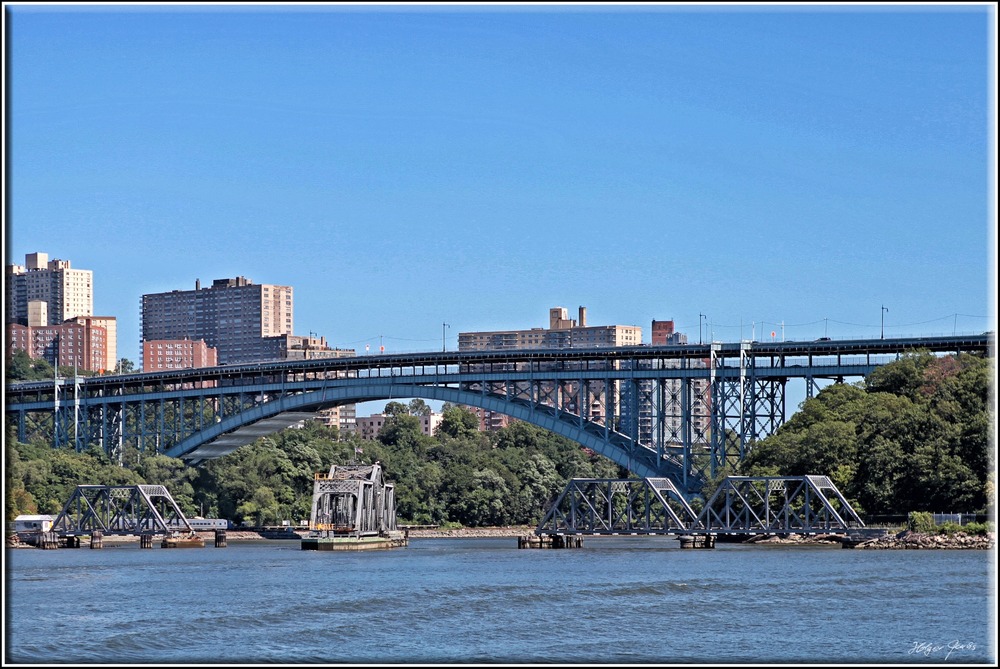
(404,167)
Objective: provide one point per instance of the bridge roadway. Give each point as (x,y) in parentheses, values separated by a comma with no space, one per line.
(677,411)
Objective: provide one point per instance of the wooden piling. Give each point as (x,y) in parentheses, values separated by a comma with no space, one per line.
(145,541)
(220,538)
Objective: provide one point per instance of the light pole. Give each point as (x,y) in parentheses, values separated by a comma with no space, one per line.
(700,316)
(884,309)
(443,346)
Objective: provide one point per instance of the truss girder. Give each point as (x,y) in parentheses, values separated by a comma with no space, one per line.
(618,506)
(741,505)
(120,510)
(685,411)
(779,505)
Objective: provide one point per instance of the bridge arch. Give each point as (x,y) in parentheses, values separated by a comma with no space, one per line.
(615,446)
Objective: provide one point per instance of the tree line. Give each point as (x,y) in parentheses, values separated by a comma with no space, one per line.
(913,436)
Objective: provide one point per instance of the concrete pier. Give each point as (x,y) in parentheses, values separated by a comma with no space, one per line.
(396,540)
(549,541)
(697,540)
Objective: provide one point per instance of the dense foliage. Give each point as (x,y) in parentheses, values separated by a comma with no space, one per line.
(458,476)
(914,436)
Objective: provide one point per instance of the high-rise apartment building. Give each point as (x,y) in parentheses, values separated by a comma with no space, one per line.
(234,316)
(66,292)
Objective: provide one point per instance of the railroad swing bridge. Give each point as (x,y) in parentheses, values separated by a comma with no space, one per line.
(98,511)
(353,508)
(741,506)
(353,500)
(638,406)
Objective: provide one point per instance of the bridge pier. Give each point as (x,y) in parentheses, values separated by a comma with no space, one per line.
(549,541)
(48,540)
(697,541)
(96,539)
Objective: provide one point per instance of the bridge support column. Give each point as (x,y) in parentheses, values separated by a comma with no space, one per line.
(145,541)
(96,539)
(696,541)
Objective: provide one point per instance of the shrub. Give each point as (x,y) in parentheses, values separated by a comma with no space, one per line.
(920,521)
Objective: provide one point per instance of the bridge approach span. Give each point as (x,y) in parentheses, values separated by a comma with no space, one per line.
(680,412)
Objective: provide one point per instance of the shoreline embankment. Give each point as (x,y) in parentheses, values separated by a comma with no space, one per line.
(905,540)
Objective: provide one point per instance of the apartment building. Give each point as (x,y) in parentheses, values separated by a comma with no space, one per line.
(369,426)
(80,342)
(343,417)
(563,332)
(66,292)
(234,316)
(163,354)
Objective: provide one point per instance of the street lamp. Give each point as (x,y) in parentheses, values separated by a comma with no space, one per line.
(443,346)
(700,316)
(884,309)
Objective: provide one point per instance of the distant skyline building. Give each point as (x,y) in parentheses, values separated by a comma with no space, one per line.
(235,316)
(163,354)
(81,342)
(562,332)
(67,292)
(368,427)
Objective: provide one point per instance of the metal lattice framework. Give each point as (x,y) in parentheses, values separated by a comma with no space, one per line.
(617,506)
(683,412)
(741,505)
(120,510)
(353,500)
(779,504)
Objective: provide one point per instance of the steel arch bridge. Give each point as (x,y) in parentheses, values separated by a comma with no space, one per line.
(681,412)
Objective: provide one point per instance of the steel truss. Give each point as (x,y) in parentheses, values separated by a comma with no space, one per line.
(120,510)
(353,500)
(685,412)
(616,506)
(741,505)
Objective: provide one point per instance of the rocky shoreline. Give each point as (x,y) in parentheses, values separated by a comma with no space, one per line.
(915,540)
(905,540)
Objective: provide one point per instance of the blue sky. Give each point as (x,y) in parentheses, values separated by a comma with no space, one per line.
(404,167)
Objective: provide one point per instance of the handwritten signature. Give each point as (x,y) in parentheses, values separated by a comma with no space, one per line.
(927,649)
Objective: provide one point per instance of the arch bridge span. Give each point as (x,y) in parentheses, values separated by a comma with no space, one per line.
(681,412)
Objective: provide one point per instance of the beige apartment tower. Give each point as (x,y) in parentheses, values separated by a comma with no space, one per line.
(66,292)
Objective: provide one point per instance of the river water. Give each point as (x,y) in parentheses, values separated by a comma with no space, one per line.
(616,600)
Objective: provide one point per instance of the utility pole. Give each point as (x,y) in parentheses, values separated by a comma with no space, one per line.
(443,345)
(700,316)
(884,309)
